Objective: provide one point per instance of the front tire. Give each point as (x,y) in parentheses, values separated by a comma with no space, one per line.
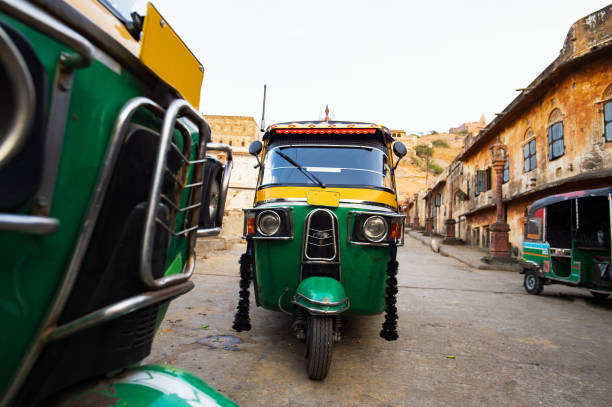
(319,341)
(209,211)
(533,283)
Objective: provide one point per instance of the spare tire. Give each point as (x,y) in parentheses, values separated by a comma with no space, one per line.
(211,193)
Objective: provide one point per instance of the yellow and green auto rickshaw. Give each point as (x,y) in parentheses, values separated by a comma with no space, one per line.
(323,231)
(102,166)
(567,241)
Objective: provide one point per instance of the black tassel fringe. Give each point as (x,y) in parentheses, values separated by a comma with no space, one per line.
(242,322)
(389,327)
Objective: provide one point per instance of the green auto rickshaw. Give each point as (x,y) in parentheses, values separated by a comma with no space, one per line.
(323,231)
(102,166)
(567,241)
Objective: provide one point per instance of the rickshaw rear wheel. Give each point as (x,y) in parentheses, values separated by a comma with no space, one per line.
(599,296)
(533,283)
(319,339)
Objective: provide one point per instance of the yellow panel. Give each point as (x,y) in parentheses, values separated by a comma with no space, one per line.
(323,198)
(163,52)
(356,194)
(103,18)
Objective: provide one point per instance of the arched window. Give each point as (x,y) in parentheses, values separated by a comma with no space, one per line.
(607,110)
(529,151)
(556,146)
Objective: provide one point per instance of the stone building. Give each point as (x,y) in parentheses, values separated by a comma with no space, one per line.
(558,136)
(409,140)
(237,131)
(470,127)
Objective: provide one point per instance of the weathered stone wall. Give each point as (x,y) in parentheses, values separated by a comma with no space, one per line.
(572,90)
(237,131)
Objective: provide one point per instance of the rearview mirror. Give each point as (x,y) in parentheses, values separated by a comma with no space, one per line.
(255,148)
(399,149)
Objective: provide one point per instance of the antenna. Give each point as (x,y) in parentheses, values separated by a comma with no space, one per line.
(263,111)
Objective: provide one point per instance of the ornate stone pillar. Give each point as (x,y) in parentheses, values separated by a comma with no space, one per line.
(428,226)
(499,230)
(449,231)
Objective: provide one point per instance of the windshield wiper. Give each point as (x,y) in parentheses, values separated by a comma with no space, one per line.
(304,171)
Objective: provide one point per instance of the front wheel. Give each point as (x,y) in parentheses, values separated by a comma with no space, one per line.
(319,341)
(532,283)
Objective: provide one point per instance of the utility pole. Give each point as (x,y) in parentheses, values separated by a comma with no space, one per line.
(263,111)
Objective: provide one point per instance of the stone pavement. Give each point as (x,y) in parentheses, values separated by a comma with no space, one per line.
(468,255)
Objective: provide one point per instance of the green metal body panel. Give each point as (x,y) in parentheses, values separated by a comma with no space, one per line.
(575,270)
(148,386)
(33,266)
(321,289)
(277,267)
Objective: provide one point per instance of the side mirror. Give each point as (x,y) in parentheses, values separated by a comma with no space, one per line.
(399,149)
(254,149)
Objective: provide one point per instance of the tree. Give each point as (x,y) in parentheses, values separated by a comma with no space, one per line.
(423,150)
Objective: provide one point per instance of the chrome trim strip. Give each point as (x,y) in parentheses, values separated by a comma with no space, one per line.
(116,310)
(178,108)
(208,232)
(322,312)
(289,200)
(334,220)
(39,20)
(87,228)
(372,203)
(329,304)
(17,70)
(55,130)
(31,225)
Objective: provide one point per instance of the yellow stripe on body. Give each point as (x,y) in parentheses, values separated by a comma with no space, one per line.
(536,254)
(362,194)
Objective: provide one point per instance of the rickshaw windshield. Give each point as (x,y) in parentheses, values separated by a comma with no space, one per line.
(334,166)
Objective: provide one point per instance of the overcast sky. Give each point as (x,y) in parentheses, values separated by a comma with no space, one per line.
(412,65)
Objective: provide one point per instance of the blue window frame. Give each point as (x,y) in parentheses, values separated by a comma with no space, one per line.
(556,147)
(529,156)
(608,121)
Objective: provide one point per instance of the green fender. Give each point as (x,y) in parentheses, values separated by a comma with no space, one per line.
(147,386)
(321,295)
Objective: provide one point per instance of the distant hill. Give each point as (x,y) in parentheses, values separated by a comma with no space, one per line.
(411,175)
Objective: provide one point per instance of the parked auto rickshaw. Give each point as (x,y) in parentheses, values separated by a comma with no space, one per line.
(323,231)
(101,183)
(568,242)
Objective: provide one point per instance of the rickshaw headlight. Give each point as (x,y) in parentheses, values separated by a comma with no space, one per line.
(268,223)
(375,228)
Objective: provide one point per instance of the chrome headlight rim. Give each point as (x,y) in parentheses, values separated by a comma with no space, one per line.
(380,238)
(260,217)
